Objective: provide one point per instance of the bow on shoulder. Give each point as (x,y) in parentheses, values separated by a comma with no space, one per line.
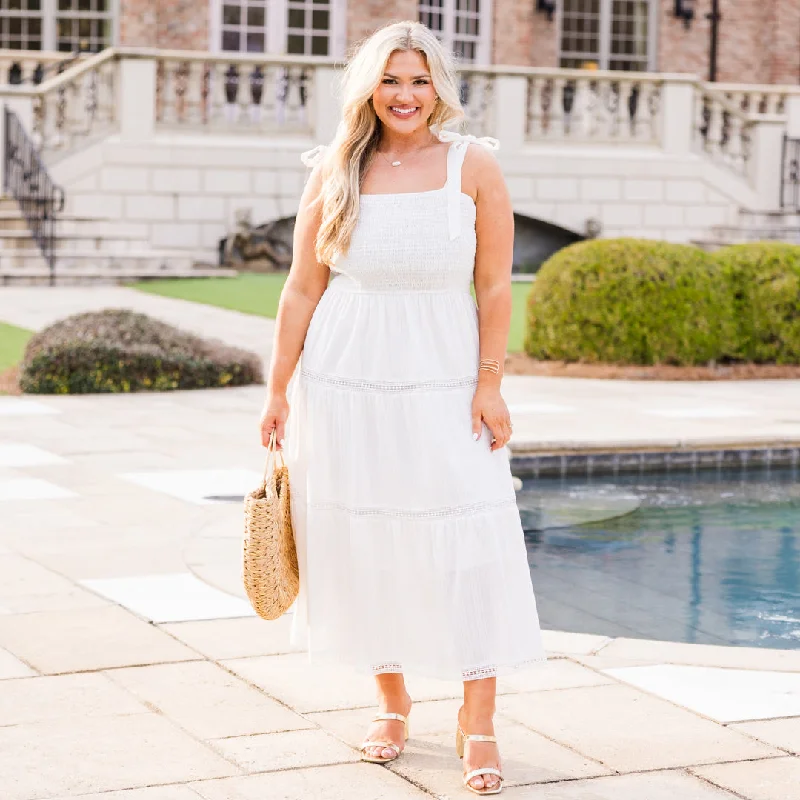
(312,157)
(489,142)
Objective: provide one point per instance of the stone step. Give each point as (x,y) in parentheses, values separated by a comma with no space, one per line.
(709,245)
(14,220)
(735,234)
(769,219)
(13,241)
(8,203)
(83,273)
(22,259)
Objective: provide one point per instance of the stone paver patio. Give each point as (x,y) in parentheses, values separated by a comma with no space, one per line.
(131,668)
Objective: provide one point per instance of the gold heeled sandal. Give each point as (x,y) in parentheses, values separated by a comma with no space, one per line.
(382,744)
(461,739)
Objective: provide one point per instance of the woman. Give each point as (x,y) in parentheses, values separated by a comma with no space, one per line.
(409,540)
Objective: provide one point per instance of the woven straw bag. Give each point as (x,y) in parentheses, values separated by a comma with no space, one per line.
(270,571)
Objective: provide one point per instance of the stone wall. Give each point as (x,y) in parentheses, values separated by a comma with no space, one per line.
(759,42)
(784,45)
(185,198)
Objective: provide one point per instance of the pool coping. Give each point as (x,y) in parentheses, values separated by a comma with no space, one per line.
(585,459)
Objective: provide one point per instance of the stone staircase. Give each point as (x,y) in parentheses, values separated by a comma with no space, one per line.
(89,250)
(755,226)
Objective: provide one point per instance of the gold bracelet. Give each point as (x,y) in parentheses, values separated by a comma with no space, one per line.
(490,365)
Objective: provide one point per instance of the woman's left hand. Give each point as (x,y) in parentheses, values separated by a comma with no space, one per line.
(488,405)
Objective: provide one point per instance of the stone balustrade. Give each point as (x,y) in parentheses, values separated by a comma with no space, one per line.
(722,130)
(756,99)
(234,93)
(140,93)
(32,67)
(606,107)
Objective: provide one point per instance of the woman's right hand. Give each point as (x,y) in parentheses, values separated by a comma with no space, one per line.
(274,415)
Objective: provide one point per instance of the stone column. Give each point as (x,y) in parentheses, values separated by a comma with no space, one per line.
(793,115)
(137,97)
(765,161)
(677,114)
(510,111)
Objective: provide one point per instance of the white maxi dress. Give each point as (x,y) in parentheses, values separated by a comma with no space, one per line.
(409,540)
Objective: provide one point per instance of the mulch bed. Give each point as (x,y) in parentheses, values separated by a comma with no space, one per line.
(522,364)
(9,381)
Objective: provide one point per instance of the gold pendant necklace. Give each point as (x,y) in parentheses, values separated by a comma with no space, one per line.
(398,163)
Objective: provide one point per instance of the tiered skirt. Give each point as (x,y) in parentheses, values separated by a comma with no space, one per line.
(412,555)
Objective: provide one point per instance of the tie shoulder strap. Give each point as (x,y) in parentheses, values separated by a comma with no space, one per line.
(463,139)
(312,157)
(455,160)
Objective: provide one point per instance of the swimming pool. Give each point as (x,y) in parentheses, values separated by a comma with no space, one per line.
(707,557)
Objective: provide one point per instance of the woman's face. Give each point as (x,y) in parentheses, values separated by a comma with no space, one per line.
(405,97)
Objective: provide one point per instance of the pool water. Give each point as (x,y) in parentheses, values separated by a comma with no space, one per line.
(705,557)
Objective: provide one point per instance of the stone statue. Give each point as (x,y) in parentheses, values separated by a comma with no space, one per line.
(263,248)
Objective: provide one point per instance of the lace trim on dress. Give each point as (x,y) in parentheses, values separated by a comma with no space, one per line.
(471,674)
(389,666)
(447,511)
(389,386)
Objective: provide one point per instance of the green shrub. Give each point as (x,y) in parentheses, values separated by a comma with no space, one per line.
(630,301)
(121,351)
(765,277)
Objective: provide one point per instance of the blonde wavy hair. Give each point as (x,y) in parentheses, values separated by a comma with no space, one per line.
(345,161)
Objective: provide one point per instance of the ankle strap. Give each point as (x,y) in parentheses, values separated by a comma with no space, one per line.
(389,715)
(479,737)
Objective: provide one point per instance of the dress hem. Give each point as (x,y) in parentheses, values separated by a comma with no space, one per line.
(394,667)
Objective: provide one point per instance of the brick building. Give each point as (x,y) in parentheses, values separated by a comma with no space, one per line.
(759,42)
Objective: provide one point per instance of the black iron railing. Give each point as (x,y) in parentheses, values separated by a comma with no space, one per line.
(26,179)
(790,174)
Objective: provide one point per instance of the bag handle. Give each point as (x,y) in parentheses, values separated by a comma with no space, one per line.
(272,454)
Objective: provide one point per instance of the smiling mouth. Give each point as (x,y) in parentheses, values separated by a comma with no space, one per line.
(403,112)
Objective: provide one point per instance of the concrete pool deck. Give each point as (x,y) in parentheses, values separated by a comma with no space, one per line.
(131,667)
(550,415)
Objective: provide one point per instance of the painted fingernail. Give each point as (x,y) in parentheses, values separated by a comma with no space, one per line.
(475,436)
(281,442)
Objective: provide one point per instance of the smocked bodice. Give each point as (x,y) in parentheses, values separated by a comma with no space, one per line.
(414,241)
(401,242)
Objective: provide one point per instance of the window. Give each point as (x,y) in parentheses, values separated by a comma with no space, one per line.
(21,24)
(463,25)
(309,27)
(63,25)
(613,34)
(294,27)
(83,25)
(244,26)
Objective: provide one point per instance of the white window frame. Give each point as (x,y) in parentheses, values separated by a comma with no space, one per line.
(448,36)
(277,27)
(49,13)
(604,57)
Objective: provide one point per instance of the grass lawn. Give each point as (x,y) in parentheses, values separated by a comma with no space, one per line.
(12,345)
(248,292)
(259,294)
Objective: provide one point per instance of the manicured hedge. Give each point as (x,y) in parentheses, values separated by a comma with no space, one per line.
(122,351)
(631,301)
(765,281)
